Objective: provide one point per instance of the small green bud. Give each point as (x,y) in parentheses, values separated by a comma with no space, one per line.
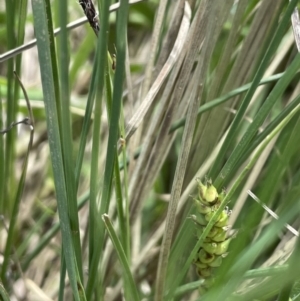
(216,263)
(222,220)
(220,235)
(210,247)
(216,248)
(213,232)
(205,273)
(202,208)
(222,195)
(222,247)
(199,220)
(209,215)
(201,265)
(208,193)
(205,257)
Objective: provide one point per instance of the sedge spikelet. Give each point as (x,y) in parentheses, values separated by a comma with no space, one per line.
(215,246)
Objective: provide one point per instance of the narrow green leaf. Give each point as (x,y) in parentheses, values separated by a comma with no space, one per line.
(258,120)
(19,193)
(259,74)
(97,81)
(45,59)
(66,131)
(134,296)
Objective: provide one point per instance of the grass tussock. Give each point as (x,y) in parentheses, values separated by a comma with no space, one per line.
(109,124)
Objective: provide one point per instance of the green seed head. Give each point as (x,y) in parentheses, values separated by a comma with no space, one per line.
(215,244)
(208,193)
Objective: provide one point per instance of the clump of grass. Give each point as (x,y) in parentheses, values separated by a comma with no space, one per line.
(202,88)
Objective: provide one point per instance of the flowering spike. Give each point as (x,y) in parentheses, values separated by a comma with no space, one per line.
(208,193)
(216,243)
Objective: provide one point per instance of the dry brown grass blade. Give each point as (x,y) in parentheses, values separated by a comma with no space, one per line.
(170,37)
(152,156)
(252,45)
(203,22)
(154,45)
(154,123)
(196,157)
(138,117)
(228,48)
(296,27)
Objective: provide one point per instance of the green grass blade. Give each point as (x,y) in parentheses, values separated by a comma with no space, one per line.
(94,187)
(66,132)
(212,104)
(45,58)
(133,293)
(3,293)
(55,74)
(62,276)
(11,108)
(86,121)
(2,160)
(20,38)
(98,78)
(180,291)
(258,120)
(46,238)
(283,114)
(18,197)
(124,230)
(81,56)
(259,74)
